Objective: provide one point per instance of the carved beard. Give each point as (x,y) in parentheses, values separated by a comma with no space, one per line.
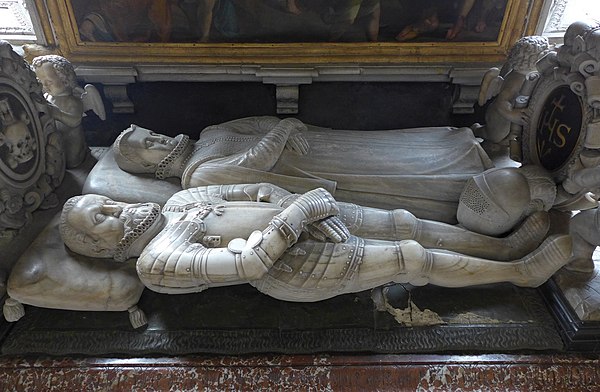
(134,214)
(137,219)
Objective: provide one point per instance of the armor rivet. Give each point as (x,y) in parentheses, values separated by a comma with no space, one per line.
(347,262)
(187,269)
(314,276)
(251,252)
(325,278)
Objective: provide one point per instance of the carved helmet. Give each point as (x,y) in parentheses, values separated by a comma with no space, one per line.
(493,202)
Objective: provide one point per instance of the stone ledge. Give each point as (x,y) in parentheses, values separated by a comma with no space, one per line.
(310,372)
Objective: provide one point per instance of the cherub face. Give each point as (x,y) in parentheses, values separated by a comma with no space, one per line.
(51,81)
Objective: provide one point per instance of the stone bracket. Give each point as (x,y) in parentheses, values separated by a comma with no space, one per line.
(117,94)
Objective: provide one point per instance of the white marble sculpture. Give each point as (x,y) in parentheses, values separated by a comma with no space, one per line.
(585,232)
(508,89)
(67,103)
(47,275)
(562,130)
(431,172)
(423,170)
(31,156)
(289,246)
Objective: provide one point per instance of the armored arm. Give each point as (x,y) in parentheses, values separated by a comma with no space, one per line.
(263,192)
(175,261)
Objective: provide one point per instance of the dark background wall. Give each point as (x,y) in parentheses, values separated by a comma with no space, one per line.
(172,108)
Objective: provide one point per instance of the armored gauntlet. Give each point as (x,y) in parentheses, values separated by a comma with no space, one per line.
(308,208)
(258,254)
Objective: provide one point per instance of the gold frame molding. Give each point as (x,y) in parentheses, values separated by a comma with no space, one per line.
(520,19)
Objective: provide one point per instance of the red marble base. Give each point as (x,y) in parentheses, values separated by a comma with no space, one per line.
(317,373)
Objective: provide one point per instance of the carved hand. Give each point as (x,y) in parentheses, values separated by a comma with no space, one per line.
(297,143)
(310,207)
(316,205)
(331,228)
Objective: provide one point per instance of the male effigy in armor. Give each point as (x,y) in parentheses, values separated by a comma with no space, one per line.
(295,247)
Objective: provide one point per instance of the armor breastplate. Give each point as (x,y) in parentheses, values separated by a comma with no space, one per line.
(226,221)
(311,268)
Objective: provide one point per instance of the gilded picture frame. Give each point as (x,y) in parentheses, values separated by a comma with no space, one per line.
(86,35)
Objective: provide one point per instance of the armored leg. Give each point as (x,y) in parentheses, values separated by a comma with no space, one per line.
(584,228)
(408,262)
(400,224)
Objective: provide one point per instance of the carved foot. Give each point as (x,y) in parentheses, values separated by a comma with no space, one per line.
(13,310)
(137,317)
(528,236)
(583,265)
(540,265)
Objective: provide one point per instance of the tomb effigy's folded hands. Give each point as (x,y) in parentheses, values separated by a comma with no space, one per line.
(296,141)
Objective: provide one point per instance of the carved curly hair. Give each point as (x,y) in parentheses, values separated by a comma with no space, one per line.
(527,51)
(64,69)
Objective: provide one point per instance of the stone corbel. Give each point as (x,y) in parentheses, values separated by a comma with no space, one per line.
(287,98)
(467,82)
(287,83)
(117,95)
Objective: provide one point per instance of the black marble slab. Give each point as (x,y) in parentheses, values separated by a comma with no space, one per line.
(239,320)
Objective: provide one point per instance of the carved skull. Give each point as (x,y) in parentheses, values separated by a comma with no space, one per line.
(21,145)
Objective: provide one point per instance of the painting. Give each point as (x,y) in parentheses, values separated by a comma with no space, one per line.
(281,21)
(290,31)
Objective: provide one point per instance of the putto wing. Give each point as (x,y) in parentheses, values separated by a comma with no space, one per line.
(490,85)
(92,100)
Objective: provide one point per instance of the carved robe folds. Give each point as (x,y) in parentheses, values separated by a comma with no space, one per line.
(423,170)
